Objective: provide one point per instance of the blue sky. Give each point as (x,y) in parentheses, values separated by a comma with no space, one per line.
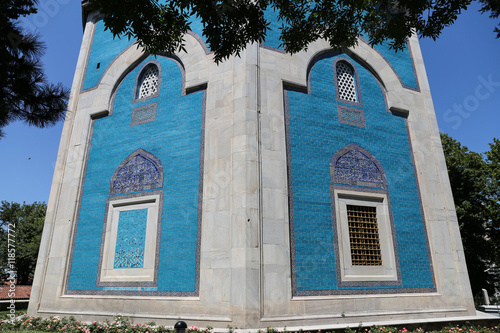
(463,69)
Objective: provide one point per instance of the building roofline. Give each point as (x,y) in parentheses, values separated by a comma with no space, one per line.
(85,11)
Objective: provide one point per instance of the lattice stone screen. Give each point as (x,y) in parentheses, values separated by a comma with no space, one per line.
(351,116)
(143,114)
(149,84)
(345,82)
(364,237)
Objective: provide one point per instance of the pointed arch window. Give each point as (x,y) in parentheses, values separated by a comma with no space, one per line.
(148,81)
(346,82)
(347,91)
(363,225)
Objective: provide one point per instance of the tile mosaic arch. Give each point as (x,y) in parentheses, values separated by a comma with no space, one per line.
(354,165)
(139,172)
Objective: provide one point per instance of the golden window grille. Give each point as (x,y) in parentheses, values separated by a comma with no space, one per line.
(363,234)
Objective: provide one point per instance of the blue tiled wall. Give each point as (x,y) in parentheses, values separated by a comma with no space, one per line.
(195,24)
(400,61)
(104,49)
(274,31)
(315,136)
(174,138)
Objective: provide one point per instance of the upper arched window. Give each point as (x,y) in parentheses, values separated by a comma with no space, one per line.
(148,84)
(346,82)
(347,90)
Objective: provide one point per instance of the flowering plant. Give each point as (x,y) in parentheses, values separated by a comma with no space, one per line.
(122,324)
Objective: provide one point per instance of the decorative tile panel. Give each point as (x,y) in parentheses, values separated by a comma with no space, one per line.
(351,116)
(140,171)
(144,114)
(129,251)
(355,166)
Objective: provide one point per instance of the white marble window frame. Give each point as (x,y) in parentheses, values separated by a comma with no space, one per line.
(349,272)
(147,272)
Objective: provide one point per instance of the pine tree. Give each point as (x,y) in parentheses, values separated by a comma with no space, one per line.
(25,93)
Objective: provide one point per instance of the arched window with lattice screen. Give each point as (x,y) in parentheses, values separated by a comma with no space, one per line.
(347,90)
(346,82)
(148,82)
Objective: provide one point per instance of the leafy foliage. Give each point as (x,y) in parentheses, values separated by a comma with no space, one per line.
(122,324)
(468,328)
(493,160)
(492,6)
(229,25)
(25,93)
(475,182)
(26,224)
